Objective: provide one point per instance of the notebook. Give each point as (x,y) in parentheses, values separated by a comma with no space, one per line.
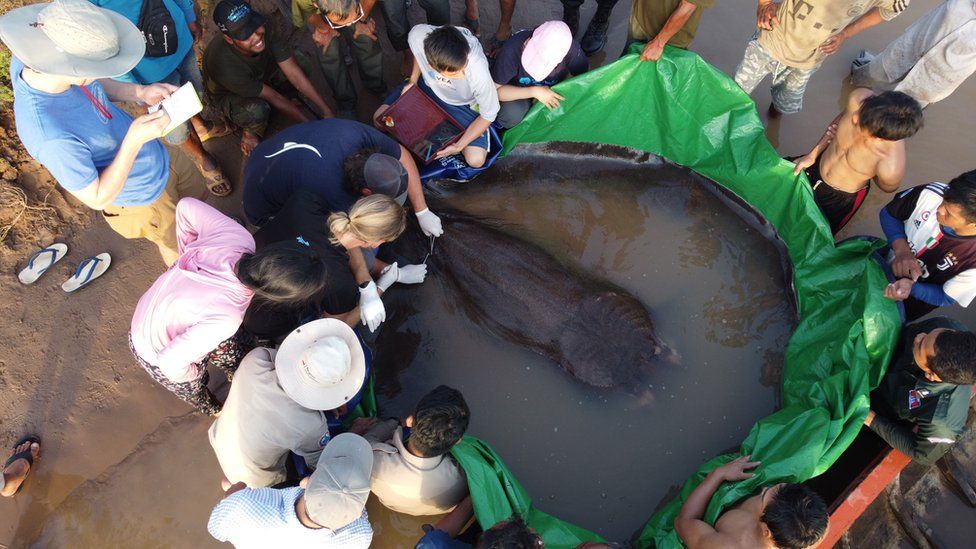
(420,124)
(181,105)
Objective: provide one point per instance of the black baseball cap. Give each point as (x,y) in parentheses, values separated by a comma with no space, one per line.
(237,19)
(385,175)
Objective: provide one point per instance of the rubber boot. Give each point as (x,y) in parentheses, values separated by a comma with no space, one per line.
(595,36)
(571,18)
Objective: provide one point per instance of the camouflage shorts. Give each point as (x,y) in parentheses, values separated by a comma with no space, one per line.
(788,85)
(252,113)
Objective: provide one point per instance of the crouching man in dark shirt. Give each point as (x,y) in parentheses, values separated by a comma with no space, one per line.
(928,385)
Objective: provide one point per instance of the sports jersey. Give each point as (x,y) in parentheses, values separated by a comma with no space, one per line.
(946,259)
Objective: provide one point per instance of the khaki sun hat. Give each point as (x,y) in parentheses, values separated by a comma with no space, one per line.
(72,38)
(321,364)
(337,491)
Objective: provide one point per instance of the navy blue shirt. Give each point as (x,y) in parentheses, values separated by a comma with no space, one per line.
(307,156)
(508,69)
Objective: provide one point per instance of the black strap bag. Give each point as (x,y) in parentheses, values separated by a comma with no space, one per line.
(159,29)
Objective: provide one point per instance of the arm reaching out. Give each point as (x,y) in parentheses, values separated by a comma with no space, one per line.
(655,47)
(689,526)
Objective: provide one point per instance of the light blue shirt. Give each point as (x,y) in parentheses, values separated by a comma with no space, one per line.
(155,69)
(260,518)
(68,134)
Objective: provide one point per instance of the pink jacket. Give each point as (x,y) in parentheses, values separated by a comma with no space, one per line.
(198,302)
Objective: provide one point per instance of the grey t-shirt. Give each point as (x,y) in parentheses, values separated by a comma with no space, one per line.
(477,86)
(260,424)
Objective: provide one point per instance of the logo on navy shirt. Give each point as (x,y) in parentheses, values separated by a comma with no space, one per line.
(301,240)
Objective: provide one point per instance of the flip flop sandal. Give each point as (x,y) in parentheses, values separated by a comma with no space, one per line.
(26,454)
(215,178)
(41,261)
(473,25)
(89,269)
(219,129)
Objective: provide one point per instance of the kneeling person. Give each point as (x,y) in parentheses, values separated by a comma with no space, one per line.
(244,65)
(328,509)
(280,402)
(931,230)
(864,142)
(929,385)
(529,63)
(341,161)
(785,516)
(455,75)
(413,472)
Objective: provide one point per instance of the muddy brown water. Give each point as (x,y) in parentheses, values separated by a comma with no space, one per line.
(713,284)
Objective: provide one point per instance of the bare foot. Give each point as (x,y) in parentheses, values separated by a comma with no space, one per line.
(248,142)
(15,473)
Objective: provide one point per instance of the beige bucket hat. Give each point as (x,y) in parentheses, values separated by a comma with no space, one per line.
(72,38)
(337,491)
(321,364)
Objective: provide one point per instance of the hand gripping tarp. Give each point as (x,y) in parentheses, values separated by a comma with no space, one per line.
(685,110)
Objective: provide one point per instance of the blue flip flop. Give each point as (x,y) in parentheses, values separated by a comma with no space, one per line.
(89,269)
(41,261)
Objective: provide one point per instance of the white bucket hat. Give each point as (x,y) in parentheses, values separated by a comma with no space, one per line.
(73,38)
(321,364)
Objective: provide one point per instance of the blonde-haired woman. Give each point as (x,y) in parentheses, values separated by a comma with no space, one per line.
(343,240)
(373,220)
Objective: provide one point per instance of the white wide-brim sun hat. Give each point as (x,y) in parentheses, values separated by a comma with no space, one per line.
(321,364)
(73,38)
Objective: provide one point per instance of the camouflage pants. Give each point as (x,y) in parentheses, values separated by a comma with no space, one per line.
(788,85)
(227,356)
(251,114)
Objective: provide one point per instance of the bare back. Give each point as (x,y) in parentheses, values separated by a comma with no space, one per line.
(854,157)
(739,526)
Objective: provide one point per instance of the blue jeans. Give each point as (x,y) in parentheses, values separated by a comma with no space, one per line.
(187,71)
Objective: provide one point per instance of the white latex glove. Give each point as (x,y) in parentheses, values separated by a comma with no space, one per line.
(388,277)
(412,274)
(429,222)
(371,310)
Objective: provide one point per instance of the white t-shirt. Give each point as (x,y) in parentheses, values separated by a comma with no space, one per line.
(476,88)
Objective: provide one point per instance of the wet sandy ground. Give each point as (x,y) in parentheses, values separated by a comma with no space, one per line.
(124,465)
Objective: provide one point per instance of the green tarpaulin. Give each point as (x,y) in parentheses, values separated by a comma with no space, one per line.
(685,110)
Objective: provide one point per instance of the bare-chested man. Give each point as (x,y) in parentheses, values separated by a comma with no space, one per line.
(864,142)
(785,516)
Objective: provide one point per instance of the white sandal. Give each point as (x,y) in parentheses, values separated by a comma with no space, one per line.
(41,261)
(89,269)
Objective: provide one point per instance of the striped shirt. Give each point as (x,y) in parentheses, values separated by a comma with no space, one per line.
(256,518)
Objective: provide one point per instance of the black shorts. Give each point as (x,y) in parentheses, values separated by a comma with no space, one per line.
(838,207)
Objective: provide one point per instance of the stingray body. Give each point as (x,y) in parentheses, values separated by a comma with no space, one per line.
(594,330)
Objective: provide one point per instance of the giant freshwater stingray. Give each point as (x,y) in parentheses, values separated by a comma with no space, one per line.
(597,332)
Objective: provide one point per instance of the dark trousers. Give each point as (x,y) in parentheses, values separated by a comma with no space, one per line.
(512,112)
(608,4)
(369,58)
(397,26)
